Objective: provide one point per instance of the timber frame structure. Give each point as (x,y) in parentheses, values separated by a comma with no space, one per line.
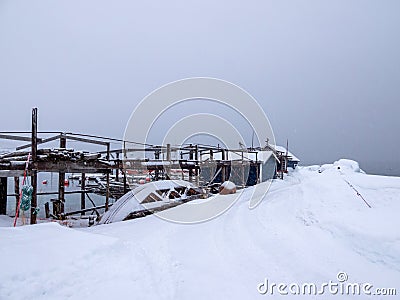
(64,160)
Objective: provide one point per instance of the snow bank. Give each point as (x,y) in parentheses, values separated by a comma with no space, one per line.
(309,227)
(6,221)
(347,164)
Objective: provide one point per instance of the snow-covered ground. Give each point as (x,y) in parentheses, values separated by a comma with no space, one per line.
(308,228)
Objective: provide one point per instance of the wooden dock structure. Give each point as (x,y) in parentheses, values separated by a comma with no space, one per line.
(214,161)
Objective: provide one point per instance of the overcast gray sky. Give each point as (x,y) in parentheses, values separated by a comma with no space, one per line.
(327,73)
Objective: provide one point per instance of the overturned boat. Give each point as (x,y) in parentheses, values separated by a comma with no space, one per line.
(152,197)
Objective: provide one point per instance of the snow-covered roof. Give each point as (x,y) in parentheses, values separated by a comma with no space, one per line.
(283,150)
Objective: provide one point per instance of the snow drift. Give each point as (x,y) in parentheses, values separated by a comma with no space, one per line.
(309,227)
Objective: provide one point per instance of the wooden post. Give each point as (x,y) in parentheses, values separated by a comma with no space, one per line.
(196,157)
(167,168)
(34,196)
(117,169)
(16,191)
(168,152)
(258,171)
(3,195)
(47,210)
(34,167)
(191,169)
(242,169)
(58,206)
(61,176)
(125,183)
(258,168)
(83,196)
(156,171)
(243,182)
(108,179)
(223,170)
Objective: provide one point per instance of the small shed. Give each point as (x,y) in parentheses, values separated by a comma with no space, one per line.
(243,167)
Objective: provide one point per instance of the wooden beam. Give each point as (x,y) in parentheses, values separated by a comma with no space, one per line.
(56,193)
(69,137)
(41,141)
(95,208)
(34,171)
(73,167)
(12,173)
(15,137)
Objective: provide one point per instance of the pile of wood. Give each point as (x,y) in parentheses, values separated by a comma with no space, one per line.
(19,158)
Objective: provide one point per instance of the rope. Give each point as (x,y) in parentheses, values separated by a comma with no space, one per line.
(20,193)
(357,192)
